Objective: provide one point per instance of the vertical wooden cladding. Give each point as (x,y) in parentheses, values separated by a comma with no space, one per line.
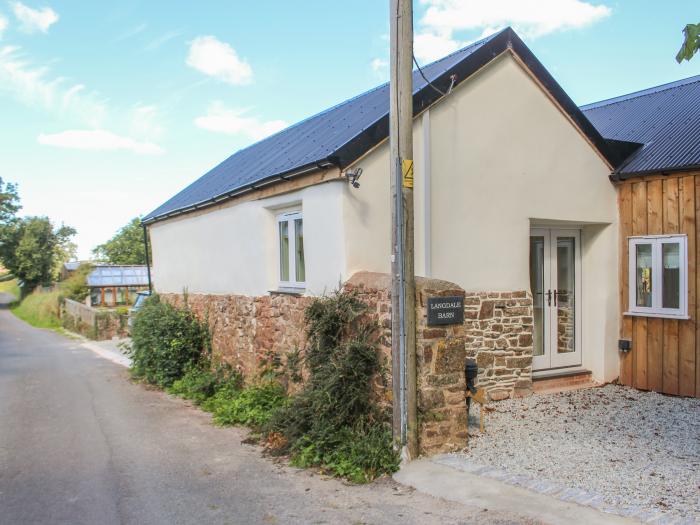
(665,354)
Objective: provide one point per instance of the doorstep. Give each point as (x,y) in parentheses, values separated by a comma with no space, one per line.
(563,380)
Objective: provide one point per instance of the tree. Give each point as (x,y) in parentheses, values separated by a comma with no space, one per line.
(9,202)
(691,43)
(32,249)
(125,247)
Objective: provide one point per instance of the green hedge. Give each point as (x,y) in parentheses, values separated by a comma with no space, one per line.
(166,341)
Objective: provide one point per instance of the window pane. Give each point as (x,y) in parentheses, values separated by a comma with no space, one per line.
(299,246)
(284,251)
(109,296)
(565,298)
(671,275)
(95,296)
(537,288)
(643,278)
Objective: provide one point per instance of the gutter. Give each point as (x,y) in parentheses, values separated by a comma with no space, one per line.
(616,176)
(239,191)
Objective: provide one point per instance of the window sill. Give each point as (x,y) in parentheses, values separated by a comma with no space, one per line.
(288,291)
(659,316)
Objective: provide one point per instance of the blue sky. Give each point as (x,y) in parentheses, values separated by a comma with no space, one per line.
(108,109)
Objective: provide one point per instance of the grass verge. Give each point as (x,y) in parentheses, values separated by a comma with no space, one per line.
(40,310)
(10,286)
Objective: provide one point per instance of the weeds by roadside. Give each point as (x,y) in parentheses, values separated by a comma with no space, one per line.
(42,309)
(332,423)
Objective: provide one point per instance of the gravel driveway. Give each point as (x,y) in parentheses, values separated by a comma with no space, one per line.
(636,451)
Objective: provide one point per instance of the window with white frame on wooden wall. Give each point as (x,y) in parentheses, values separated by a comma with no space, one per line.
(292,270)
(658,276)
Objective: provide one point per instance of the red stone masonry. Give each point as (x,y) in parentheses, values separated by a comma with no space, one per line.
(497,332)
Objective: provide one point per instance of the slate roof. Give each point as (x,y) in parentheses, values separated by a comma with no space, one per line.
(110,275)
(664,120)
(343,133)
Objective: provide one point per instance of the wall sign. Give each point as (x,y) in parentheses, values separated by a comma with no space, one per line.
(445,310)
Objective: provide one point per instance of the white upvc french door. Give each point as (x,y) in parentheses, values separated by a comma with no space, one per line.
(555,279)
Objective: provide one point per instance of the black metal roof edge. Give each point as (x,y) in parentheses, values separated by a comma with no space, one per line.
(426,96)
(617,176)
(240,190)
(506,39)
(641,93)
(568,105)
(626,150)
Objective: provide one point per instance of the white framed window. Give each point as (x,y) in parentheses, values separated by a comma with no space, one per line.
(290,237)
(658,276)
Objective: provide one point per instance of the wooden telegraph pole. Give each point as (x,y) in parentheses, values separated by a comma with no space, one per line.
(403,297)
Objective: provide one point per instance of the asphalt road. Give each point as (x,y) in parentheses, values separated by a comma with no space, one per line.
(81,444)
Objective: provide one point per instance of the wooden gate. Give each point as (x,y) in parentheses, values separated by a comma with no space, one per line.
(665,354)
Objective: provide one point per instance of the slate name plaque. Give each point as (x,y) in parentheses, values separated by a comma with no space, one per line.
(445,310)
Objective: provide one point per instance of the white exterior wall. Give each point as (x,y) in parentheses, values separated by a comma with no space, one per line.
(503,158)
(234,250)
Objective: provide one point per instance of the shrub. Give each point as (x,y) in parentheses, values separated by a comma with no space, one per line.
(201,382)
(252,406)
(333,422)
(75,286)
(359,454)
(165,341)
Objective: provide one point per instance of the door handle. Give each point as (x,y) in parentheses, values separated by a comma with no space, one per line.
(556,294)
(549,297)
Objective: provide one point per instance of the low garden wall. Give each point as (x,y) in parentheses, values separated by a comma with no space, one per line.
(94,323)
(497,331)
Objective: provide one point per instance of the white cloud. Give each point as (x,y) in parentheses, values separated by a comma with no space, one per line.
(233,122)
(98,140)
(35,87)
(3,25)
(33,20)
(380,68)
(530,18)
(219,60)
(379,65)
(145,122)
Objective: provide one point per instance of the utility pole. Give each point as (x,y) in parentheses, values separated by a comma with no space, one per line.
(403,290)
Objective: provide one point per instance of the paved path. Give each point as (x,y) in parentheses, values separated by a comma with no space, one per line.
(80,444)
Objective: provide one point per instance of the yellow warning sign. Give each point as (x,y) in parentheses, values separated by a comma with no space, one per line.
(407,173)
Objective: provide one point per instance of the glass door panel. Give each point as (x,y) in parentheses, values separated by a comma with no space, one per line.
(538,291)
(565,291)
(565,295)
(555,283)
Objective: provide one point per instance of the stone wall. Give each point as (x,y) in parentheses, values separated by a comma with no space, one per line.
(94,323)
(497,332)
(247,331)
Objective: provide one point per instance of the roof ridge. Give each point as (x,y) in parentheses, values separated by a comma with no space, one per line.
(461,49)
(368,91)
(641,93)
(349,100)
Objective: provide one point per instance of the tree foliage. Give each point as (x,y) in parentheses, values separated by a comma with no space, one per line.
(33,250)
(125,247)
(691,42)
(9,202)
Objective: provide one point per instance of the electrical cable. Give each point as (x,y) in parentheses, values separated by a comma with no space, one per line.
(425,78)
